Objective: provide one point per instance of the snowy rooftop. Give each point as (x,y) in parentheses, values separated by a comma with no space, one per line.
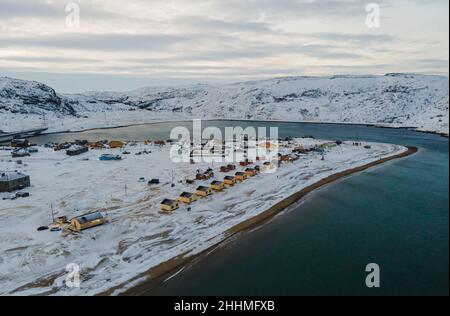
(9,176)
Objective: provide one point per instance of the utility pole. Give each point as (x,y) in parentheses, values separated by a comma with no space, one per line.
(53,215)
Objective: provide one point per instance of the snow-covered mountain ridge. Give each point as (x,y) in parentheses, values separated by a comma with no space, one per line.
(396,100)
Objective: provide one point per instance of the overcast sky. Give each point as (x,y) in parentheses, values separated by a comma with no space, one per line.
(122,45)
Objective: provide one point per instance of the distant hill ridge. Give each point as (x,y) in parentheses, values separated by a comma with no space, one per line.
(394,99)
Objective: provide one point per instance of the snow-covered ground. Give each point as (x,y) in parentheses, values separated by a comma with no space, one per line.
(137,236)
(393,100)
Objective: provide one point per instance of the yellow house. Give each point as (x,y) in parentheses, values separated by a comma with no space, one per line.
(169,205)
(217,185)
(96,145)
(187,197)
(87,221)
(240,176)
(229,180)
(116,144)
(203,191)
(250,172)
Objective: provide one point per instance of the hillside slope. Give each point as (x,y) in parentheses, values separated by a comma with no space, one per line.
(395,100)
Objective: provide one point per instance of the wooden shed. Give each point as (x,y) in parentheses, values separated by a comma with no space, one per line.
(203,191)
(20,143)
(250,172)
(217,185)
(240,176)
(187,197)
(169,205)
(87,221)
(229,180)
(116,144)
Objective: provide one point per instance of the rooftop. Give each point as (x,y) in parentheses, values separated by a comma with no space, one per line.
(86,218)
(11,175)
(168,202)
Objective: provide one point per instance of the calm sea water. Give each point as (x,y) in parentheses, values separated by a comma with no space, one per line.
(395,215)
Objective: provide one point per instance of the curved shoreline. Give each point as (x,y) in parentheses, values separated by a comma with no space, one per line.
(165,270)
(411,128)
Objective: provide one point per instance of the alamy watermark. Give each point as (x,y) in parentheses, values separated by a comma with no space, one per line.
(210,145)
(73,275)
(73,15)
(373,19)
(373,278)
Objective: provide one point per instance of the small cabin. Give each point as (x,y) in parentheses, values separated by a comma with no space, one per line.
(224,169)
(169,205)
(20,153)
(250,172)
(229,180)
(268,165)
(217,185)
(153,182)
(87,221)
(12,181)
(76,150)
(286,158)
(97,145)
(187,197)
(203,191)
(231,167)
(240,176)
(159,142)
(116,144)
(20,143)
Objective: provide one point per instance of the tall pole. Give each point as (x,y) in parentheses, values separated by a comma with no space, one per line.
(53,215)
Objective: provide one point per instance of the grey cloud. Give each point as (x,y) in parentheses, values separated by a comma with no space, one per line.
(48,59)
(355,38)
(10,9)
(14,8)
(212,24)
(100,42)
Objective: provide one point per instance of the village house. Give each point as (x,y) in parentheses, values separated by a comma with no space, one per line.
(217,185)
(116,144)
(285,158)
(187,197)
(224,169)
(20,153)
(240,176)
(203,191)
(12,181)
(97,145)
(250,172)
(229,180)
(76,150)
(87,221)
(159,142)
(20,143)
(169,205)
(153,182)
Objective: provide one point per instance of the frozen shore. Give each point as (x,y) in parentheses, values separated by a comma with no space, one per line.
(138,237)
(113,119)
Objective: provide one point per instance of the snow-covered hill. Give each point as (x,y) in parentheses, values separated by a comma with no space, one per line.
(31,97)
(396,100)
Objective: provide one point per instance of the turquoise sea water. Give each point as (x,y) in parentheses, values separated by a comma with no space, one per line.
(395,215)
